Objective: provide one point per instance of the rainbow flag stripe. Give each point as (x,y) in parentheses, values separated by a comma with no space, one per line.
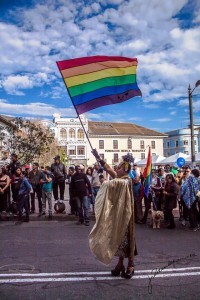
(99,80)
(148,173)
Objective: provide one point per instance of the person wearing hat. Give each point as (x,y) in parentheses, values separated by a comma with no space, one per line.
(59,172)
(113,233)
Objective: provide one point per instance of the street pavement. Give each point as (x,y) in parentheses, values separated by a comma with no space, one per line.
(52,260)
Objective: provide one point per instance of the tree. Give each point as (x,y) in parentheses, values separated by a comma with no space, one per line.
(29,140)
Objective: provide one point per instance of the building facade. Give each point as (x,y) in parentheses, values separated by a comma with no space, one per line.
(71,139)
(180,141)
(112,140)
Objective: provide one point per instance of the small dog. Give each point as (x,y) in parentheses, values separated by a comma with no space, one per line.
(156,217)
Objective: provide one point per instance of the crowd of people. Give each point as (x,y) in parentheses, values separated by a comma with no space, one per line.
(19,186)
(169,188)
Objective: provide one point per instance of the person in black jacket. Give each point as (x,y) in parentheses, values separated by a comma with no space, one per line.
(14,165)
(59,171)
(80,185)
(170,199)
(34,177)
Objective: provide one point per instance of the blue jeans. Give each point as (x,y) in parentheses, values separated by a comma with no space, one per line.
(82,204)
(95,191)
(23,203)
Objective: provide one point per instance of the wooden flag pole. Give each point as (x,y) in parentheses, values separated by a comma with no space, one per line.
(76,111)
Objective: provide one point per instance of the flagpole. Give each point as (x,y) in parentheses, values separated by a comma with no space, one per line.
(76,111)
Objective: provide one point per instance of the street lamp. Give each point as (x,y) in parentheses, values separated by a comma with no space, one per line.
(190,91)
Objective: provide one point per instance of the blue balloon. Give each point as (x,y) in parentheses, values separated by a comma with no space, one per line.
(180,162)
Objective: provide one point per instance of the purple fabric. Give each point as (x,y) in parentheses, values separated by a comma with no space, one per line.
(107,100)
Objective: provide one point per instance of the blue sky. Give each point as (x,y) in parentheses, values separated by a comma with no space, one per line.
(163,35)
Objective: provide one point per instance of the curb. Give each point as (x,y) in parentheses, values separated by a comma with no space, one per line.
(55,217)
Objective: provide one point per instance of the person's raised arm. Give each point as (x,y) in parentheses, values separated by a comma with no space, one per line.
(106,167)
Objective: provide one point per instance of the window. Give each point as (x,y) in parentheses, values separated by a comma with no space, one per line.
(71,133)
(142,155)
(153,154)
(141,144)
(80,134)
(186,152)
(63,134)
(195,142)
(80,150)
(167,144)
(101,144)
(153,144)
(176,144)
(185,142)
(115,144)
(129,144)
(72,152)
(115,160)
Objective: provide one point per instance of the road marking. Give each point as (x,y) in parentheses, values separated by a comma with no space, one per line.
(151,272)
(42,277)
(75,279)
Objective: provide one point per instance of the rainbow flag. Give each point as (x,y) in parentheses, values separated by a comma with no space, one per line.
(148,174)
(99,80)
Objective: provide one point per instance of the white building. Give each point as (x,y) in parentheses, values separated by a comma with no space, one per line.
(112,140)
(71,138)
(179,140)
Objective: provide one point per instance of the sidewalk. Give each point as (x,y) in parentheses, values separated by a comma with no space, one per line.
(56,216)
(59,216)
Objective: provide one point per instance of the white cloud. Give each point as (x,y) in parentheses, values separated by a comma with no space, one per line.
(34,109)
(51,30)
(161,120)
(14,84)
(173,113)
(151,106)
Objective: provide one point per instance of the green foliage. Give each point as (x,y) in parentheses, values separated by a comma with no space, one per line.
(29,140)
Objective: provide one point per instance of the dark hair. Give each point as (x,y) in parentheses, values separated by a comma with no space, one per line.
(101,176)
(36,164)
(89,168)
(18,169)
(48,168)
(129,168)
(3,170)
(171,176)
(23,173)
(77,168)
(195,172)
(71,168)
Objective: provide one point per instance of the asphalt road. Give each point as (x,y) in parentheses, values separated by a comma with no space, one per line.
(52,260)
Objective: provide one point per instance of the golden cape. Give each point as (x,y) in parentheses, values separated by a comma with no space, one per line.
(114,206)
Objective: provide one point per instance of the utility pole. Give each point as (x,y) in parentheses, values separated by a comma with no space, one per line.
(190,91)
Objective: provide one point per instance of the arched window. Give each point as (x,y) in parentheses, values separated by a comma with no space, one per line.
(80,134)
(71,133)
(129,144)
(63,133)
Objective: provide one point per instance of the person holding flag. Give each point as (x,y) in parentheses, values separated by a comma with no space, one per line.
(113,232)
(93,82)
